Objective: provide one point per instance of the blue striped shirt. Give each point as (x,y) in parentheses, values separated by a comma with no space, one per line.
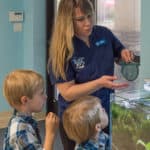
(101,144)
(22,134)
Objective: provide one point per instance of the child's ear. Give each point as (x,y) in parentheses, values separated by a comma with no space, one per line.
(24,100)
(98,127)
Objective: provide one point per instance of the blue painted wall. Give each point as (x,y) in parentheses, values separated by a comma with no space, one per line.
(24,49)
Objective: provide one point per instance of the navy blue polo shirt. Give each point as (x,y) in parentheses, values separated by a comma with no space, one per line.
(90,63)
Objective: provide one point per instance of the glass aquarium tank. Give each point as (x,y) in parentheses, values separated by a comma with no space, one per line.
(130,120)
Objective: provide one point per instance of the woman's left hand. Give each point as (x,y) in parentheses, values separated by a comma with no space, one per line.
(127,55)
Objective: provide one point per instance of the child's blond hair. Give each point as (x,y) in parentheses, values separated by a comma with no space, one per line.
(20,83)
(81,117)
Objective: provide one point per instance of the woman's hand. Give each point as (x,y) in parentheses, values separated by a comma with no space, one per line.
(127,55)
(108,82)
(71,90)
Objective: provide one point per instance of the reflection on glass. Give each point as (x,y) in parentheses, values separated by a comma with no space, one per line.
(123,18)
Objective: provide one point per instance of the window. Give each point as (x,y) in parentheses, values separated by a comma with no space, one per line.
(123,18)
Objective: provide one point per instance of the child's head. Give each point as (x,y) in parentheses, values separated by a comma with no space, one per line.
(21,85)
(84,118)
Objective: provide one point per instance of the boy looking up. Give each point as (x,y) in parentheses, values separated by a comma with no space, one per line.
(84,121)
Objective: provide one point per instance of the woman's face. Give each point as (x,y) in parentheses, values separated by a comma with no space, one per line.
(83,23)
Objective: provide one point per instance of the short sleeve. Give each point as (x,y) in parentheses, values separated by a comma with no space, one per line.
(117,45)
(70,75)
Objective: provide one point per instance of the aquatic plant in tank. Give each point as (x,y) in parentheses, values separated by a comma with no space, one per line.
(131,124)
(145,145)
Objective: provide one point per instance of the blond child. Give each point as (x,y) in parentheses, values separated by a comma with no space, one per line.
(83,122)
(24,91)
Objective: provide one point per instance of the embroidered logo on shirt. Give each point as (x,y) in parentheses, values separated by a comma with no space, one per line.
(79,62)
(100,42)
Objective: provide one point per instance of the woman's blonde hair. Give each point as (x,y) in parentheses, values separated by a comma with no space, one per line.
(81,117)
(20,83)
(61,46)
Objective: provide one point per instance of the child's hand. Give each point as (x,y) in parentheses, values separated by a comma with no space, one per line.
(51,123)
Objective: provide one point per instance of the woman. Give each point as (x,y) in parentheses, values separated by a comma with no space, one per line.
(82,57)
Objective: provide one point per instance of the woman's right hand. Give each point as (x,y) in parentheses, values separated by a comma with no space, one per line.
(107,82)
(71,90)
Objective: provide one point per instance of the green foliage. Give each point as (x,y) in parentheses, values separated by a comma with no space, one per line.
(147,146)
(129,121)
